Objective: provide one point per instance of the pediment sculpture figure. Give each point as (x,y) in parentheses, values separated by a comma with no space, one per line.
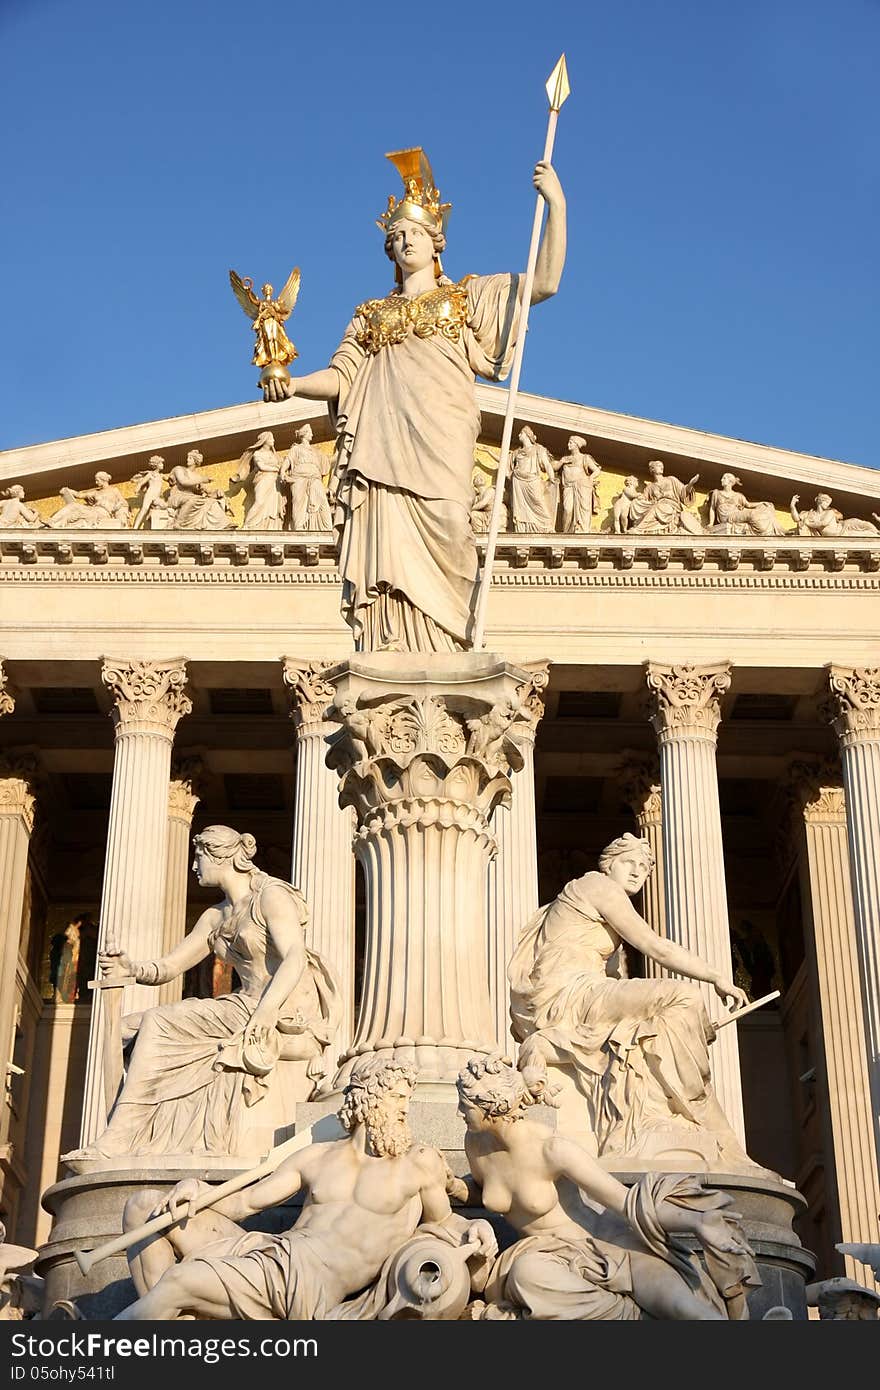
(577,472)
(532,487)
(260,466)
(637,1051)
(481,506)
(660,508)
(588,1248)
(148,486)
(102,507)
(376,1237)
(621,504)
(199,1067)
(731,514)
(401,384)
(15,514)
(303,473)
(823,519)
(195,503)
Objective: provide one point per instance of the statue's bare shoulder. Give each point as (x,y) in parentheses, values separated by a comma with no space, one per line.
(428,1162)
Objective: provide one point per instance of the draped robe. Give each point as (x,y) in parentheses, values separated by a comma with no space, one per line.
(408,422)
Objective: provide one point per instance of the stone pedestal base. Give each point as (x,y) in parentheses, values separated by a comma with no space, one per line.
(767,1208)
(87,1211)
(425,749)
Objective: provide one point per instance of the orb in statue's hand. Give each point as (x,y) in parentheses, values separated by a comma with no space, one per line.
(276,371)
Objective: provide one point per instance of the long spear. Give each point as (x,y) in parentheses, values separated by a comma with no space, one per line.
(117,1244)
(557,92)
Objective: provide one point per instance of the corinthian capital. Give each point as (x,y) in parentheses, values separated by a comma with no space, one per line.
(148,693)
(686,699)
(855,703)
(816,790)
(639,782)
(7,704)
(185,787)
(310,694)
(530,697)
(426,750)
(18,785)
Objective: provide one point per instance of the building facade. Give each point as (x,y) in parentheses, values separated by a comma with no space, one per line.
(714,683)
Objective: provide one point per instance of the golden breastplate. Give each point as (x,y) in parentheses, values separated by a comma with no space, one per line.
(390,320)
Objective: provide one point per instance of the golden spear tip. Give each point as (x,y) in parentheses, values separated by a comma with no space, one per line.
(558,89)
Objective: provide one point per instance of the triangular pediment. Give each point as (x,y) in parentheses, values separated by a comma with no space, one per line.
(622,444)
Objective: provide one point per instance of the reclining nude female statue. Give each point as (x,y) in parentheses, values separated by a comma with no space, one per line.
(199,1065)
(590,1249)
(637,1050)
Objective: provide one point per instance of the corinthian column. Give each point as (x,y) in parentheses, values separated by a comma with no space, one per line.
(856,699)
(149,700)
(183,798)
(685,715)
(512,896)
(640,785)
(819,798)
(424,754)
(322,861)
(17,802)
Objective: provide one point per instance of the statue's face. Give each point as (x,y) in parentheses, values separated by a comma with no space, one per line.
(411,245)
(470,1112)
(205,867)
(629,870)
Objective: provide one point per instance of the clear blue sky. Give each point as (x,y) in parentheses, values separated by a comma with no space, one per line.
(721,161)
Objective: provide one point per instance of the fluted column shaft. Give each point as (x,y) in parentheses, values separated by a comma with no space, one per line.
(512,896)
(856,697)
(425,749)
(322,860)
(148,702)
(640,782)
(686,713)
(183,798)
(837,969)
(425,993)
(17,802)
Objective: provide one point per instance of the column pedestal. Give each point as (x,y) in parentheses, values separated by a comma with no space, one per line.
(685,716)
(425,753)
(149,700)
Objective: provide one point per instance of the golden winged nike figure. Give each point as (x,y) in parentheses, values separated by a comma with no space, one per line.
(272,349)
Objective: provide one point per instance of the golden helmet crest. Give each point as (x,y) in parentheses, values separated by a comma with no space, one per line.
(421,198)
